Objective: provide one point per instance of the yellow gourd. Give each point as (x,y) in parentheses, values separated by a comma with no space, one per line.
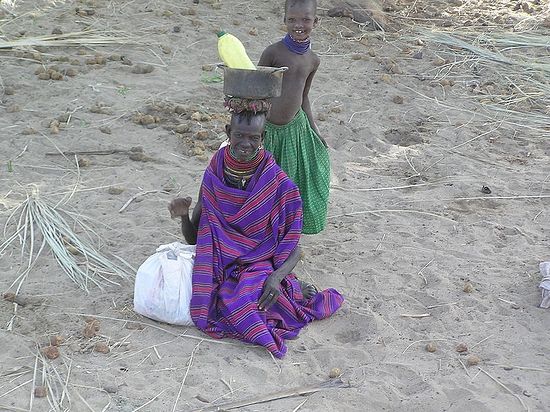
(233,53)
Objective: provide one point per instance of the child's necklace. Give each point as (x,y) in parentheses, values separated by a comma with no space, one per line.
(298,47)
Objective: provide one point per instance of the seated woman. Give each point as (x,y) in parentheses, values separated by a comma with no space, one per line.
(246,224)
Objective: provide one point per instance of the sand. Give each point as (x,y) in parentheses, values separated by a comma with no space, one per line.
(415,129)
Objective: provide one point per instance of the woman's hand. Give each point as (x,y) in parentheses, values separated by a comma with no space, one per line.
(179,207)
(271,292)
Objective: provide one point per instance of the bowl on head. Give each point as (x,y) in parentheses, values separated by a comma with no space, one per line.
(263,83)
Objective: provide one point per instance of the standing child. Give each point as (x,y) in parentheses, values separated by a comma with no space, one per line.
(291,133)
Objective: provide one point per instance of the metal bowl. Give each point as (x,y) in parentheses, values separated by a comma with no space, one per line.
(263,83)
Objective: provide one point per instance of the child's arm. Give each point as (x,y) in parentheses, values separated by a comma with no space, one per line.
(266,59)
(306,106)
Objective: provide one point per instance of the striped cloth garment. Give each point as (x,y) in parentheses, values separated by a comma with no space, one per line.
(244,235)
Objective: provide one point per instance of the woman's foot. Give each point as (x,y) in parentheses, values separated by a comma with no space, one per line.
(308,289)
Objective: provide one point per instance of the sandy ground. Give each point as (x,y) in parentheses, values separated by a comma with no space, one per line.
(415,128)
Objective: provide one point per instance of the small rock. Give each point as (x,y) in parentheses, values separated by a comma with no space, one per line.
(526,393)
(56,76)
(166,49)
(13,108)
(75,62)
(253,31)
(105,129)
(386,78)
(430,347)
(71,72)
(485,190)
(418,55)
(142,69)
(397,99)
(115,190)
(8,91)
(207,67)
(57,30)
(43,76)
(115,57)
(468,287)
(102,347)
(182,128)
(473,360)
(28,131)
(334,373)
(51,352)
(202,134)
(461,348)
(56,340)
(372,53)
(91,328)
(110,388)
(84,162)
(176,29)
(356,56)
(40,392)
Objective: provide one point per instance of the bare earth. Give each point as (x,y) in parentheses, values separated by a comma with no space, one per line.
(423,256)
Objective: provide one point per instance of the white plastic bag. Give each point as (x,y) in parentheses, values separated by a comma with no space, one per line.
(163,284)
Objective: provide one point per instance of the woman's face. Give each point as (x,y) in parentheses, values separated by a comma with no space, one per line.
(245,138)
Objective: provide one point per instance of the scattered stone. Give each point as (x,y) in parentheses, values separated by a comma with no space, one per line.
(202,134)
(166,49)
(468,287)
(51,352)
(126,61)
(386,78)
(253,31)
(364,41)
(430,347)
(100,108)
(372,53)
(12,108)
(397,99)
(485,190)
(207,67)
(357,56)
(115,57)
(28,131)
(176,29)
(56,340)
(9,91)
(84,13)
(143,69)
(439,62)
(115,190)
(71,72)
(473,360)
(189,12)
(334,373)
(145,119)
(44,76)
(91,328)
(74,62)
(110,388)
(56,76)
(40,392)
(321,117)
(105,129)
(461,348)
(418,55)
(84,162)
(102,347)
(182,128)
(57,30)
(139,157)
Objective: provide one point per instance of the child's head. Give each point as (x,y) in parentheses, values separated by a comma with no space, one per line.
(300,18)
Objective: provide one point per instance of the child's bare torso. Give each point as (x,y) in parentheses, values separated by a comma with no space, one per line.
(300,67)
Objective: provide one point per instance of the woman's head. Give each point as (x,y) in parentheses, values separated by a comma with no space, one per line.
(246,133)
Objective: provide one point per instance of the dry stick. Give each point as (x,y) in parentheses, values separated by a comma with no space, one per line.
(441,304)
(304,390)
(300,405)
(17,387)
(505,387)
(425,266)
(481,341)
(464,366)
(183,335)
(186,373)
(392,211)
(149,401)
(84,400)
(408,315)
(135,197)
(88,152)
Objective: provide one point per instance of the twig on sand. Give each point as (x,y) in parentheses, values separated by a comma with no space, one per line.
(149,401)
(88,152)
(361,212)
(465,369)
(524,368)
(288,393)
(410,315)
(505,387)
(480,342)
(300,405)
(189,363)
(123,208)
(420,271)
(12,408)
(441,304)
